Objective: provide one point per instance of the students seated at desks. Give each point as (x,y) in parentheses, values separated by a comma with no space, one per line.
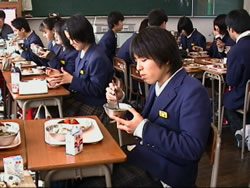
(238,69)
(93,72)
(67,55)
(157,17)
(5,29)
(109,40)
(172,130)
(190,37)
(123,52)
(48,30)
(23,31)
(222,41)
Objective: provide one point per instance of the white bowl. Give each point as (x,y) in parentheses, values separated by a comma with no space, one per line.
(12,127)
(120,112)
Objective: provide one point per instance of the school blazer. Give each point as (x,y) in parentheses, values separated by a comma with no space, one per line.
(238,72)
(124,52)
(91,77)
(196,39)
(6,29)
(213,50)
(27,52)
(176,134)
(109,43)
(65,59)
(54,48)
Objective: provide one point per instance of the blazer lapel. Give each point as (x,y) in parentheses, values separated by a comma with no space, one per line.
(149,102)
(167,95)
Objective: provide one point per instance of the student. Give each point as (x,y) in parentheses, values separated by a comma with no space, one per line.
(157,17)
(222,40)
(190,37)
(23,31)
(5,29)
(172,130)
(109,40)
(238,69)
(93,72)
(67,55)
(48,30)
(123,52)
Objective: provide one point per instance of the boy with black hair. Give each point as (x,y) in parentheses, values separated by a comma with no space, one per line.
(190,37)
(23,31)
(157,17)
(109,40)
(238,69)
(5,29)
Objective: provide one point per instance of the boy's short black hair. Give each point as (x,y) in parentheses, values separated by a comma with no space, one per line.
(113,18)
(239,20)
(157,16)
(157,44)
(2,14)
(185,24)
(80,29)
(20,23)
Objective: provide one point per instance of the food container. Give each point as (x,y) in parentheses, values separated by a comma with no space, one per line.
(120,112)
(74,142)
(8,132)
(13,166)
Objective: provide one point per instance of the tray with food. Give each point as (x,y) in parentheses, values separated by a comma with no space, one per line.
(9,135)
(31,71)
(218,68)
(24,64)
(55,130)
(199,54)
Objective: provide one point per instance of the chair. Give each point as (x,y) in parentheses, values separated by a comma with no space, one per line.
(136,78)
(120,66)
(213,151)
(244,113)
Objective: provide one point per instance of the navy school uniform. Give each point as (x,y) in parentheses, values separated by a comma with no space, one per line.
(108,43)
(6,29)
(196,39)
(213,50)
(123,52)
(27,52)
(65,58)
(53,47)
(175,136)
(238,72)
(91,77)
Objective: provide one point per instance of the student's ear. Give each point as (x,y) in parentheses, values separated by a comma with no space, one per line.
(22,30)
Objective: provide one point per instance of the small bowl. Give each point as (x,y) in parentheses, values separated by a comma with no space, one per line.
(120,112)
(59,136)
(13,129)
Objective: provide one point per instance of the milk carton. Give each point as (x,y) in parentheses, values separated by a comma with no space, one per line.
(74,143)
(14,166)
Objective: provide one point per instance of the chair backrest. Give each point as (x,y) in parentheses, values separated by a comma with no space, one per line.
(135,75)
(121,66)
(247,97)
(213,151)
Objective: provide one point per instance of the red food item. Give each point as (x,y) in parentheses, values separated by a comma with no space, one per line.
(1,124)
(74,121)
(67,121)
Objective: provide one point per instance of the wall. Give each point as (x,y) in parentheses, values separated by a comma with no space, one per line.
(203,24)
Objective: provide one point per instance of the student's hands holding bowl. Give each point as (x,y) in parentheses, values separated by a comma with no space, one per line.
(129,125)
(60,78)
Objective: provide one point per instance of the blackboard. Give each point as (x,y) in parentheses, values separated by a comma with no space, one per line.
(134,7)
(103,7)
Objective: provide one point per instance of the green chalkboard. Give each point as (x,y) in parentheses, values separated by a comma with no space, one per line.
(134,7)
(103,7)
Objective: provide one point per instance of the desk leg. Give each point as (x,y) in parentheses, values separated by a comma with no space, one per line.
(120,137)
(213,98)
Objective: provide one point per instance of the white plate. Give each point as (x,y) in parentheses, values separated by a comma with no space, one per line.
(16,142)
(11,180)
(91,135)
(34,72)
(25,64)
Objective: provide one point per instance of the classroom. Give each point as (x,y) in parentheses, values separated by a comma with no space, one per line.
(124,94)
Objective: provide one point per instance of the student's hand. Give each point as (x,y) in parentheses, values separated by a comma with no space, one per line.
(111,91)
(129,125)
(43,53)
(66,77)
(50,71)
(197,48)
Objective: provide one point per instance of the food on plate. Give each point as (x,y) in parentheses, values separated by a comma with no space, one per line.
(28,70)
(8,132)
(5,130)
(8,180)
(69,121)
